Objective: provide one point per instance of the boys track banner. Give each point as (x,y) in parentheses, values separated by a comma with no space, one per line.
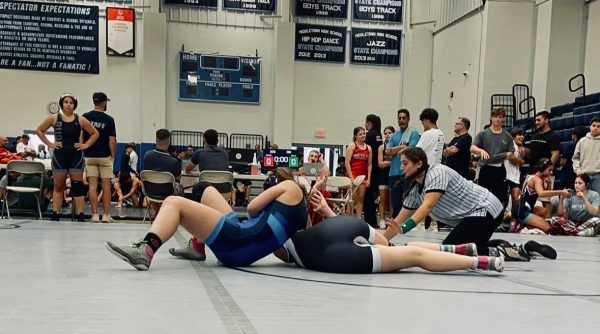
(320,43)
(211,4)
(377,10)
(49,37)
(333,9)
(376,47)
(251,5)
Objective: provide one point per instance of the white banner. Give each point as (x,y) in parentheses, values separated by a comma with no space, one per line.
(120,32)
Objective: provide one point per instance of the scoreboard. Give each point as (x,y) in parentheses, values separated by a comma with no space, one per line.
(217,78)
(281,158)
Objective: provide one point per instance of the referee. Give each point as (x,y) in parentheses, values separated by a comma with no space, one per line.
(440,192)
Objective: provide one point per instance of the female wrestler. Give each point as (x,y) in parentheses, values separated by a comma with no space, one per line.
(534,187)
(275,215)
(68,152)
(345,244)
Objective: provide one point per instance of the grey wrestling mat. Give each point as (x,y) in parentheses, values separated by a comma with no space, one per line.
(58,278)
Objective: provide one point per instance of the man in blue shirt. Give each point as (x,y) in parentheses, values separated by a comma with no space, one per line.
(406,136)
(99,158)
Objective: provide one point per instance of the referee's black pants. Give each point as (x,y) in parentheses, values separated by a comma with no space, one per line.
(477,230)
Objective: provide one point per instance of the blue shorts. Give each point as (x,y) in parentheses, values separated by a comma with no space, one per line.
(241,243)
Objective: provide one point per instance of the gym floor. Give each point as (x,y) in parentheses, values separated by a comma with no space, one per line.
(59,278)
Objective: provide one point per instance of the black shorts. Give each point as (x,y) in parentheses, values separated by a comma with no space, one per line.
(384,178)
(67,160)
(512,185)
(338,245)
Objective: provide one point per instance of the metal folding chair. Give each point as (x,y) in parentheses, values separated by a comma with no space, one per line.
(25,168)
(221,180)
(156,187)
(343,205)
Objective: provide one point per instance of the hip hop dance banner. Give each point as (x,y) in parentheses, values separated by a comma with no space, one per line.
(49,37)
(320,43)
(376,47)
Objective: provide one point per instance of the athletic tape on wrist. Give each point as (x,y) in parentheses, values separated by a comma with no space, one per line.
(408,225)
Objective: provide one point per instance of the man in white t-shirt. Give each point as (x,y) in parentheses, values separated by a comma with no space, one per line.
(26,149)
(133,157)
(432,139)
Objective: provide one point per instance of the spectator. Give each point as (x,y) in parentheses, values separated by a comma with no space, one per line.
(133,158)
(358,162)
(585,203)
(125,165)
(587,155)
(259,153)
(565,173)
(494,145)
(159,158)
(406,136)
(100,157)
(374,140)
(211,157)
(13,147)
(189,152)
(26,149)
(341,168)
(127,190)
(513,171)
(432,139)
(458,154)
(384,163)
(316,157)
(544,144)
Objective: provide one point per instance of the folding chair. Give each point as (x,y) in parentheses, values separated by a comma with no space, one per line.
(25,168)
(221,180)
(156,187)
(345,204)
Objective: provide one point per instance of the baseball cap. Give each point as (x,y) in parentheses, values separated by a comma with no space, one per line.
(100,97)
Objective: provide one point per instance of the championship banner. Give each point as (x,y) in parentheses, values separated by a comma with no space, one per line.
(376,47)
(49,37)
(251,5)
(377,10)
(334,9)
(212,4)
(120,32)
(320,43)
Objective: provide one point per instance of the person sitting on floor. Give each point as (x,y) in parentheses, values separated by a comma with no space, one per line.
(583,208)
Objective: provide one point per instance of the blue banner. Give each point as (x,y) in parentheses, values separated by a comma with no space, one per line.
(376,47)
(219,78)
(49,37)
(377,10)
(251,5)
(212,4)
(334,9)
(320,43)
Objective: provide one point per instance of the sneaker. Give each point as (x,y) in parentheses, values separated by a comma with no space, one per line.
(107,219)
(382,224)
(433,227)
(588,232)
(188,252)
(421,226)
(120,212)
(95,218)
(81,217)
(535,248)
(54,217)
(139,255)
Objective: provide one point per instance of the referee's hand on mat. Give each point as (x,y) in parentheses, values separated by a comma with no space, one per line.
(393,226)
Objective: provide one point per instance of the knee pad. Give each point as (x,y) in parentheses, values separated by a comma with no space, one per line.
(77,189)
(198,190)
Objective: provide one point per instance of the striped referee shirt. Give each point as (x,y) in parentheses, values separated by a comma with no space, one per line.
(460,198)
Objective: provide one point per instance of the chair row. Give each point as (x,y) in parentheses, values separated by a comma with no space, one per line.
(579,107)
(568,122)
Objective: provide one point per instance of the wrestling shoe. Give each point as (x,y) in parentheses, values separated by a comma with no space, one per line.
(188,252)
(510,252)
(496,263)
(138,255)
(532,248)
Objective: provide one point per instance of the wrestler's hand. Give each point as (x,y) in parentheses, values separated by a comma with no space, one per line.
(318,202)
(393,226)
